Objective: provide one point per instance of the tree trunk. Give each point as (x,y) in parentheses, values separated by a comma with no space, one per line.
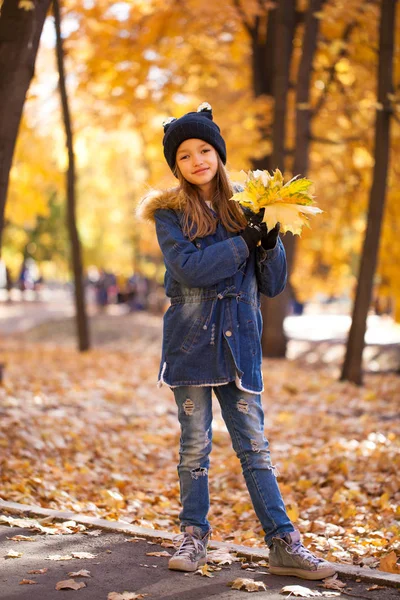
(274,310)
(81,317)
(20,32)
(263,51)
(352,366)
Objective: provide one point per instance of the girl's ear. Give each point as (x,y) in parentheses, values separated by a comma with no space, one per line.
(205,107)
(167,123)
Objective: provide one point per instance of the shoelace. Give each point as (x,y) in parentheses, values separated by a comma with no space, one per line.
(189,544)
(303,552)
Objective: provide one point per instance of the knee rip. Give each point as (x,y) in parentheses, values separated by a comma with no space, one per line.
(242,406)
(188,407)
(274,470)
(254,446)
(199,472)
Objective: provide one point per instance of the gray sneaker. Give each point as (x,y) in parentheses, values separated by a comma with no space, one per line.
(288,556)
(192,551)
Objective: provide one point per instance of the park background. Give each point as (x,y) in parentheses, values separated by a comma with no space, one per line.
(309,87)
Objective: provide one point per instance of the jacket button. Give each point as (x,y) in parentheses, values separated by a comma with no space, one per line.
(228,333)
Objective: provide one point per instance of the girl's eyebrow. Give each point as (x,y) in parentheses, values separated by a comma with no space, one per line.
(187,150)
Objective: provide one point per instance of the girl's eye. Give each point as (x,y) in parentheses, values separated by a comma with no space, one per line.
(206,150)
(183,157)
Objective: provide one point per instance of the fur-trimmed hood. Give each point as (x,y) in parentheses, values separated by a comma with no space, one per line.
(155,199)
(170,199)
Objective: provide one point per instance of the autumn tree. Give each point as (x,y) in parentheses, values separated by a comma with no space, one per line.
(21,24)
(352,367)
(81,317)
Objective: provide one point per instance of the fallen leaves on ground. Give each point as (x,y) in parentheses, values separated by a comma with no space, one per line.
(333,583)
(27,582)
(389,564)
(304,592)
(81,573)
(63,528)
(125,596)
(163,553)
(22,538)
(204,571)
(222,556)
(376,587)
(92,433)
(247,585)
(37,571)
(70,584)
(13,554)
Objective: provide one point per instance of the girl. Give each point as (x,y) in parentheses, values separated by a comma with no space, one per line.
(215,271)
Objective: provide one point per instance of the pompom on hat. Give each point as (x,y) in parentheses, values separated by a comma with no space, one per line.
(198,125)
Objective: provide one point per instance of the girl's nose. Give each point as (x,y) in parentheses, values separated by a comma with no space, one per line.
(198,160)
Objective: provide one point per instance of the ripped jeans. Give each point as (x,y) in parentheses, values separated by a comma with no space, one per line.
(244,418)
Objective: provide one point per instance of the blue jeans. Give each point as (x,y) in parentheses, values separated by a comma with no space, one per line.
(244,418)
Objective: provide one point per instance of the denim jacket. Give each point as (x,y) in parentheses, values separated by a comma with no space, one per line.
(212,329)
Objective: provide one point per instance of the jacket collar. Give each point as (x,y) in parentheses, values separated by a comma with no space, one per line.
(167,199)
(156,199)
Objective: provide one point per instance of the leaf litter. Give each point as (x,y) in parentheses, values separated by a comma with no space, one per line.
(68,423)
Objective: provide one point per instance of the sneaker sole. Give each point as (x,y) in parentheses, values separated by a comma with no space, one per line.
(179,564)
(302,573)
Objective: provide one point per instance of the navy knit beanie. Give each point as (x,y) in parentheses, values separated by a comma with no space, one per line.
(198,125)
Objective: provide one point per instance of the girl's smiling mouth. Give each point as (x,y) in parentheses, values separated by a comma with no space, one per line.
(201,171)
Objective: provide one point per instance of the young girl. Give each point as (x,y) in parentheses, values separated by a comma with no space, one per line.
(218,259)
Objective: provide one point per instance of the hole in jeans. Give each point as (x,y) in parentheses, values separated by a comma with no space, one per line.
(188,407)
(199,472)
(242,406)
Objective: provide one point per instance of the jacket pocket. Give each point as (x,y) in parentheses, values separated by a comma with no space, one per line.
(193,335)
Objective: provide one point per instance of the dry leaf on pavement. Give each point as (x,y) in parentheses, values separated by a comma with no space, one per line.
(299,590)
(221,557)
(22,538)
(27,582)
(376,587)
(163,553)
(333,583)
(70,584)
(204,571)
(13,554)
(59,557)
(247,585)
(83,555)
(94,533)
(125,596)
(37,571)
(81,573)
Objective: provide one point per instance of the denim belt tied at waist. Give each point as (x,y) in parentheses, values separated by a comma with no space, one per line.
(228,292)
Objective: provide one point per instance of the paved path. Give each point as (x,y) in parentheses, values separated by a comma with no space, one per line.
(120,565)
(120,562)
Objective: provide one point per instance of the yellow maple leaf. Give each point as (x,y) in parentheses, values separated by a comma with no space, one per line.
(204,571)
(290,204)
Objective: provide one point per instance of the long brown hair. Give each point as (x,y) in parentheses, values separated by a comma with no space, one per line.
(198,218)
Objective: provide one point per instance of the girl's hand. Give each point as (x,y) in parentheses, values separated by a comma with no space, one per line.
(269,238)
(252,234)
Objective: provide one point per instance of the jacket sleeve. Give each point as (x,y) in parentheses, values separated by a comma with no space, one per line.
(189,265)
(271,270)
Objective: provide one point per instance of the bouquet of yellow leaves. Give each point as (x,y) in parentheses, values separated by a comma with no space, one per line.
(290,204)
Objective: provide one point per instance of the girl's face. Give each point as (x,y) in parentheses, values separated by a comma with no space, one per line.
(198,162)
